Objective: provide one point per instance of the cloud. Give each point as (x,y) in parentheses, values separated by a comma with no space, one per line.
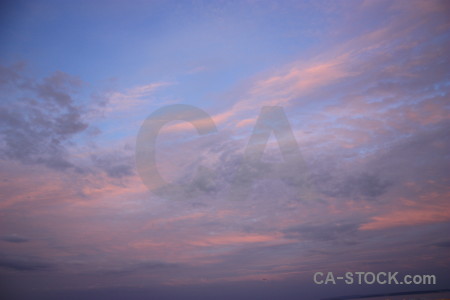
(231,239)
(410,213)
(333,232)
(10,75)
(133,99)
(116,165)
(371,117)
(144,266)
(358,69)
(14,239)
(38,118)
(25,264)
(445,244)
(355,186)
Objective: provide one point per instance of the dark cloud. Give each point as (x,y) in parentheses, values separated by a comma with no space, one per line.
(38,118)
(371,185)
(10,74)
(445,244)
(419,157)
(116,165)
(23,264)
(146,266)
(226,174)
(338,183)
(327,232)
(14,239)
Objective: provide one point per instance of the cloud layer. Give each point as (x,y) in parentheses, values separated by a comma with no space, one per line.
(364,85)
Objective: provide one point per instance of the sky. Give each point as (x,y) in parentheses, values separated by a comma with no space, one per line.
(363,86)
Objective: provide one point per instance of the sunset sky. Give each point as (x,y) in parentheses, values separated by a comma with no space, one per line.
(365,86)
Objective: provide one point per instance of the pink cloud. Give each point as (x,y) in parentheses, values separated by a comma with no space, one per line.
(432,208)
(232,239)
